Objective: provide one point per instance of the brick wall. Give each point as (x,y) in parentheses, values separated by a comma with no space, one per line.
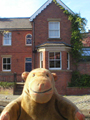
(77,91)
(41,25)
(84,68)
(18,51)
(41,36)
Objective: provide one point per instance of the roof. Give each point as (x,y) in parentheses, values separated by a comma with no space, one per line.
(53,44)
(15,23)
(46,4)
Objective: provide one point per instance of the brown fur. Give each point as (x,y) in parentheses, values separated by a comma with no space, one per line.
(31,105)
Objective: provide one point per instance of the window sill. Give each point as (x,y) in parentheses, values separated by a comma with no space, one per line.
(6,45)
(28,45)
(60,70)
(55,69)
(6,71)
(54,38)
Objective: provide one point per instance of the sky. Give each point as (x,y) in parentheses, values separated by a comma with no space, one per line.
(25,8)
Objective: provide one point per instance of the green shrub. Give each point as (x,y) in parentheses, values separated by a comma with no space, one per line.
(79,80)
(7,84)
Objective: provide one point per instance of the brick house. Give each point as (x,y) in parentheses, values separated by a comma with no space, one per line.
(43,40)
(15,45)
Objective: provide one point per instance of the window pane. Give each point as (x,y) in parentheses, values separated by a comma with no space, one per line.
(8,67)
(4,67)
(8,60)
(51,64)
(28,59)
(4,60)
(29,36)
(28,41)
(51,55)
(57,63)
(57,55)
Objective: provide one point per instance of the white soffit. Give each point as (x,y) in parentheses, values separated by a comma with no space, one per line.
(46,4)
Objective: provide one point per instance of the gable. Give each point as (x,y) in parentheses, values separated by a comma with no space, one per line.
(46,4)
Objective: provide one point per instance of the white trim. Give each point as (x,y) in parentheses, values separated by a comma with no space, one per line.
(41,59)
(46,4)
(49,29)
(26,40)
(68,61)
(8,39)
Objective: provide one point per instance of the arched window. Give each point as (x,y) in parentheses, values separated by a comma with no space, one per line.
(29,39)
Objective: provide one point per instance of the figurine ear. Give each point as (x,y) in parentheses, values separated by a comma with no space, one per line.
(55,76)
(24,75)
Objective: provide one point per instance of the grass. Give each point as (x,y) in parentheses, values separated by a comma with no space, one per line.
(7,84)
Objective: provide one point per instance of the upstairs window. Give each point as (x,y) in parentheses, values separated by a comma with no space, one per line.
(54,60)
(7,39)
(29,40)
(54,29)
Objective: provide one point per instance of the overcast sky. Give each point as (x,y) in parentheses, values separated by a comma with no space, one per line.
(25,8)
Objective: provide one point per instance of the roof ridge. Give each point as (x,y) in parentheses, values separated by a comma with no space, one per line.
(14,17)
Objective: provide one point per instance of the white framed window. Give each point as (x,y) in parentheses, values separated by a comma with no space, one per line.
(55,60)
(41,59)
(54,29)
(7,39)
(6,64)
(29,40)
(68,61)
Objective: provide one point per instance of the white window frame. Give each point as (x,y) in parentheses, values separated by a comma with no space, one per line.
(54,60)
(41,59)
(7,39)
(53,29)
(28,38)
(68,61)
(6,70)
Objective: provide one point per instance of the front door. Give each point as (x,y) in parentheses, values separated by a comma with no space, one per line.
(28,64)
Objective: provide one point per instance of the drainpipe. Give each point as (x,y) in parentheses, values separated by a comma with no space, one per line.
(33,45)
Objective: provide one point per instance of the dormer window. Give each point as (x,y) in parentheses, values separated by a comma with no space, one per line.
(54,29)
(29,40)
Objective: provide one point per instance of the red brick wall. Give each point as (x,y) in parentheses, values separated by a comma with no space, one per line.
(18,50)
(41,36)
(41,25)
(77,91)
(64,77)
(84,67)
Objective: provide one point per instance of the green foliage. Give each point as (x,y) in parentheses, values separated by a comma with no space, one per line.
(79,80)
(7,84)
(77,26)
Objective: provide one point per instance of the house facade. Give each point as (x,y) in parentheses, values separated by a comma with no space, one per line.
(15,45)
(43,40)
